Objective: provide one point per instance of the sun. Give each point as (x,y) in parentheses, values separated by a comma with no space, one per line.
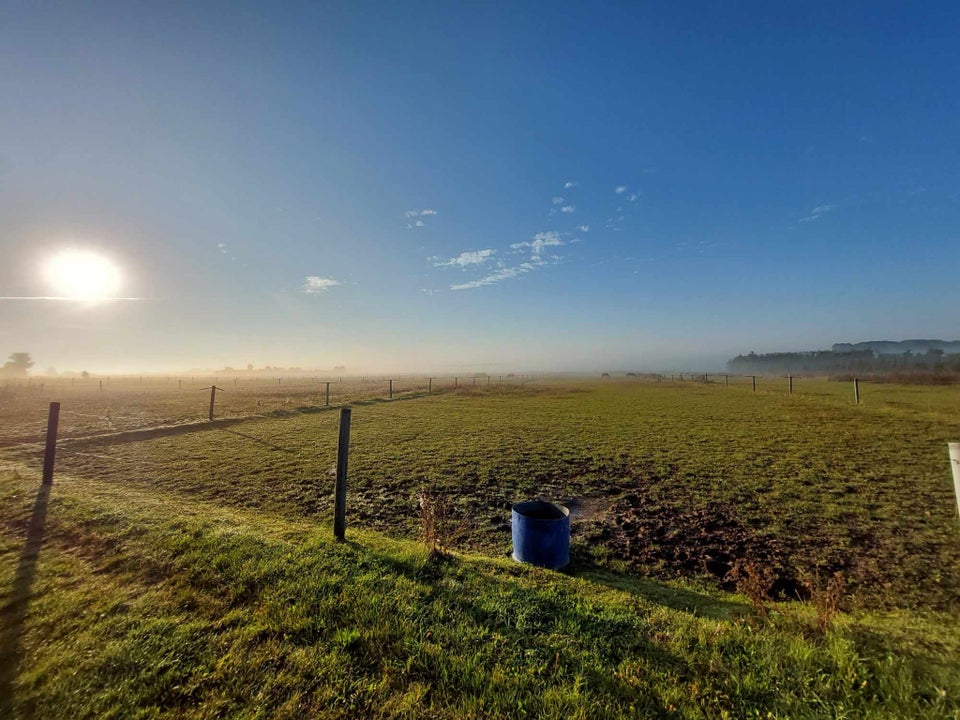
(82,275)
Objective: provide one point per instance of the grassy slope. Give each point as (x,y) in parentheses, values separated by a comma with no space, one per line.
(143,603)
(821,483)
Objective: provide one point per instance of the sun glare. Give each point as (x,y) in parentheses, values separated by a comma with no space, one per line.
(82,275)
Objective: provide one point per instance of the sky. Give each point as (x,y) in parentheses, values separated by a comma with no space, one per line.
(490,186)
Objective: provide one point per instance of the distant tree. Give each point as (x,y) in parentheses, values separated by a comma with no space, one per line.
(17,365)
(85,375)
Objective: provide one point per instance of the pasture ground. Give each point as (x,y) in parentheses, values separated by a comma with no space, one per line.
(734,553)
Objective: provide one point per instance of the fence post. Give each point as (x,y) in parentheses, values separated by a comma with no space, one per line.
(954,449)
(101,386)
(391,389)
(789,384)
(726,380)
(456,382)
(213,399)
(340,499)
(754,382)
(50,452)
(429,385)
(856,391)
(328,394)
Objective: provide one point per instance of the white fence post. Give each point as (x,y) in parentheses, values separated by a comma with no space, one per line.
(955,466)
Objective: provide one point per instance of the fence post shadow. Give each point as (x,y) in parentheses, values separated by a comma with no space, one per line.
(14,612)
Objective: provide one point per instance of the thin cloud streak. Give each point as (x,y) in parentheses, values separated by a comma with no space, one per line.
(314,285)
(502,274)
(470,257)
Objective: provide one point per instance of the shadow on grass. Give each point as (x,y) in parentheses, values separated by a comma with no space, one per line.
(14,612)
(657,592)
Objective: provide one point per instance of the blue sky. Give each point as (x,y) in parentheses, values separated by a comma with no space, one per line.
(430,186)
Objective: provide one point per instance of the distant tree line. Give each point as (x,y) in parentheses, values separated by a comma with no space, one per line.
(830,362)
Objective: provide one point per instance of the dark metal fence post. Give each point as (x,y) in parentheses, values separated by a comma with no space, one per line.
(340,496)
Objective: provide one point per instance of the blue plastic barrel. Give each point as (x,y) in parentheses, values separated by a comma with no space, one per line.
(541,534)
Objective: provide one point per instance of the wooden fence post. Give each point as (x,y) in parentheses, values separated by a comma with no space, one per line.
(754,382)
(50,451)
(391,389)
(789,384)
(340,495)
(856,391)
(726,380)
(429,385)
(213,399)
(456,382)
(328,394)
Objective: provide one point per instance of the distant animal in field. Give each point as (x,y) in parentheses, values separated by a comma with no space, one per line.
(605,376)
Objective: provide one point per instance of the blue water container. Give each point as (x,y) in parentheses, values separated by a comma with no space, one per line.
(541,534)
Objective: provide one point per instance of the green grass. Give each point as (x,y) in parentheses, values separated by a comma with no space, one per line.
(808,486)
(143,604)
(192,575)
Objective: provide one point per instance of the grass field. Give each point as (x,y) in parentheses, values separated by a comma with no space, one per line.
(734,553)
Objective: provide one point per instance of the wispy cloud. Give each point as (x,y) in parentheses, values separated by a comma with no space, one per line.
(314,284)
(471,257)
(557,200)
(540,241)
(817,213)
(505,273)
(536,246)
(583,228)
(569,184)
(568,208)
(419,214)
(620,189)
